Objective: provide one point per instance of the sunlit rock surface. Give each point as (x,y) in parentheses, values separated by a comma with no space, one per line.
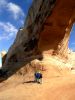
(46,31)
(42,44)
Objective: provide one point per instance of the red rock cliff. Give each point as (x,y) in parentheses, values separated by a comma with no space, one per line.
(47,29)
(57,27)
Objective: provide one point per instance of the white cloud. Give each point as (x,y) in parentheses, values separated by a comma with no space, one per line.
(22,22)
(3,3)
(15,10)
(8,30)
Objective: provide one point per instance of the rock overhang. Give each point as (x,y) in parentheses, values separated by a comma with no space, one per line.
(49,23)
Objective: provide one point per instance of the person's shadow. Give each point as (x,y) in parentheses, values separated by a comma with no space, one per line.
(29,82)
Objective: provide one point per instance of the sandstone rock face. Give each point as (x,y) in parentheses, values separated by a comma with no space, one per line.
(3,56)
(46,29)
(57,27)
(26,42)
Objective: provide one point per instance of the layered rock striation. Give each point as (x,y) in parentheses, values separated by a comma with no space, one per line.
(46,30)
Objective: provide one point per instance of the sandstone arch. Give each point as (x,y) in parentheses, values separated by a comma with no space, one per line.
(49,21)
(57,28)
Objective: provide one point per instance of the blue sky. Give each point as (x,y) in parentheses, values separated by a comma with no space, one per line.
(72,38)
(12,17)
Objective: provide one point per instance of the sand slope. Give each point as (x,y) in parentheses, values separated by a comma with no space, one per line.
(58,84)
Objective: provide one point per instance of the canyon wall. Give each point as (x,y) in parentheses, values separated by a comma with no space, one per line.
(46,30)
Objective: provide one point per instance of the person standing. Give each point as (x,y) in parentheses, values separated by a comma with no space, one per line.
(38,77)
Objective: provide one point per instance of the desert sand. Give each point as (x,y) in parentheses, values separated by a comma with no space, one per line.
(57,84)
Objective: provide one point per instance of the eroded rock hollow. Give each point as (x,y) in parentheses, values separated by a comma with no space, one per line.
(46,30)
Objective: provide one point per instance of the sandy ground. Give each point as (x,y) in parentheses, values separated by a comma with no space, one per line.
(55,88)
(56,85)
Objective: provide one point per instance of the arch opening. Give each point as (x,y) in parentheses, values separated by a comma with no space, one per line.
(71,44)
